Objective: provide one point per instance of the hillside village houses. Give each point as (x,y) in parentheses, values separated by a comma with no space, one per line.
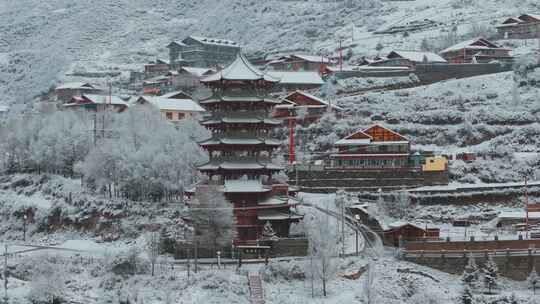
(156,68)
(67,91)
(173,109)
(188,78)
(299,62)
(97,103)
(408,59)
(290,81)
(478,50)
(299,101)
(526,26)
(206,52)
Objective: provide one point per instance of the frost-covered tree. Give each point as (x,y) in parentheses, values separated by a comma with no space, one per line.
(379,46)
(491,274)
(152,248)
(466,296)
(213,218)
(323,249)
(146,158)
(533,280)
(46,142)
(426,46)
(402,204)
(47,284)
(471,273)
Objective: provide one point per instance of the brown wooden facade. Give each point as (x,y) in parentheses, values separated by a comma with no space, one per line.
(526,26)
(376,147)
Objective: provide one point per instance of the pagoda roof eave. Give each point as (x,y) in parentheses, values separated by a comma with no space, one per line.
(240,70)
(240,142)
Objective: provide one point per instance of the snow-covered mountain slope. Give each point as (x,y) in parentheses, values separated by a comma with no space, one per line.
(41,41)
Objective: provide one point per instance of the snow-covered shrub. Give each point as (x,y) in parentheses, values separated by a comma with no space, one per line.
(48,283)
(280,271)
(129,263)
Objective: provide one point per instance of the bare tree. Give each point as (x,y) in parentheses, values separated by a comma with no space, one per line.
(533,280)
(323,248)
(152,247)
(213,218)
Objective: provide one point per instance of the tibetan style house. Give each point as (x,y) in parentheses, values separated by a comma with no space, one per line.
(526,26)
(97,103)
(313,107)
(478,50)
(203,51)
(376,147)
(241,150)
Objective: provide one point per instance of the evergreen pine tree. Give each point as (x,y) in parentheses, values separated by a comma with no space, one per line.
(466,296)
(425,46)
(491,274)
(513,299)
(533,280)
(379,46)
(470,272)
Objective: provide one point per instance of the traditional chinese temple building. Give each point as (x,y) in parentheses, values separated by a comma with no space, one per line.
(376,147)
(241,149)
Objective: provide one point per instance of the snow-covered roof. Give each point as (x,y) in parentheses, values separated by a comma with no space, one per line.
(243,186)
(105,99)
(310,96)
(271,214)
(76,86)
(162,103)
(214,41)
(417,56)
(517,215)
(199,72)
(240,141)
(172,94)
(400,224)
(535,16)
(297,77)
(312,58)
(177,43)
(468,44)
(352,142)
(277,200)
(240,69)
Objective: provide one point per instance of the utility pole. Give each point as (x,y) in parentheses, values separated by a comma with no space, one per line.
(342,203)
(25,217)
(5,274)
(340,56)
(196,253)
(526,210)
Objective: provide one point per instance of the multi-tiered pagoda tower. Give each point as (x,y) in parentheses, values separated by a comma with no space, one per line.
(241,149)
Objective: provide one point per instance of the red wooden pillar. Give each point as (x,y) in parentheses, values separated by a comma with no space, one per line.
(292,126)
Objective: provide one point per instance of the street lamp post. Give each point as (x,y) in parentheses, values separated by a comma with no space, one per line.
(357,218)
(25,217)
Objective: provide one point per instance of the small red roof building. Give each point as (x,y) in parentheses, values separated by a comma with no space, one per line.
(297,101)
(478,50)
(526,26)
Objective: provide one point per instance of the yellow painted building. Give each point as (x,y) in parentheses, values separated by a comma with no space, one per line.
(435,163)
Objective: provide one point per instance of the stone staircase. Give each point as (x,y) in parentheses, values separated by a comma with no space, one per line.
(255,288)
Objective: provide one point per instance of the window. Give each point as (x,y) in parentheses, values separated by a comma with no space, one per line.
(181,115)
(168,115)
